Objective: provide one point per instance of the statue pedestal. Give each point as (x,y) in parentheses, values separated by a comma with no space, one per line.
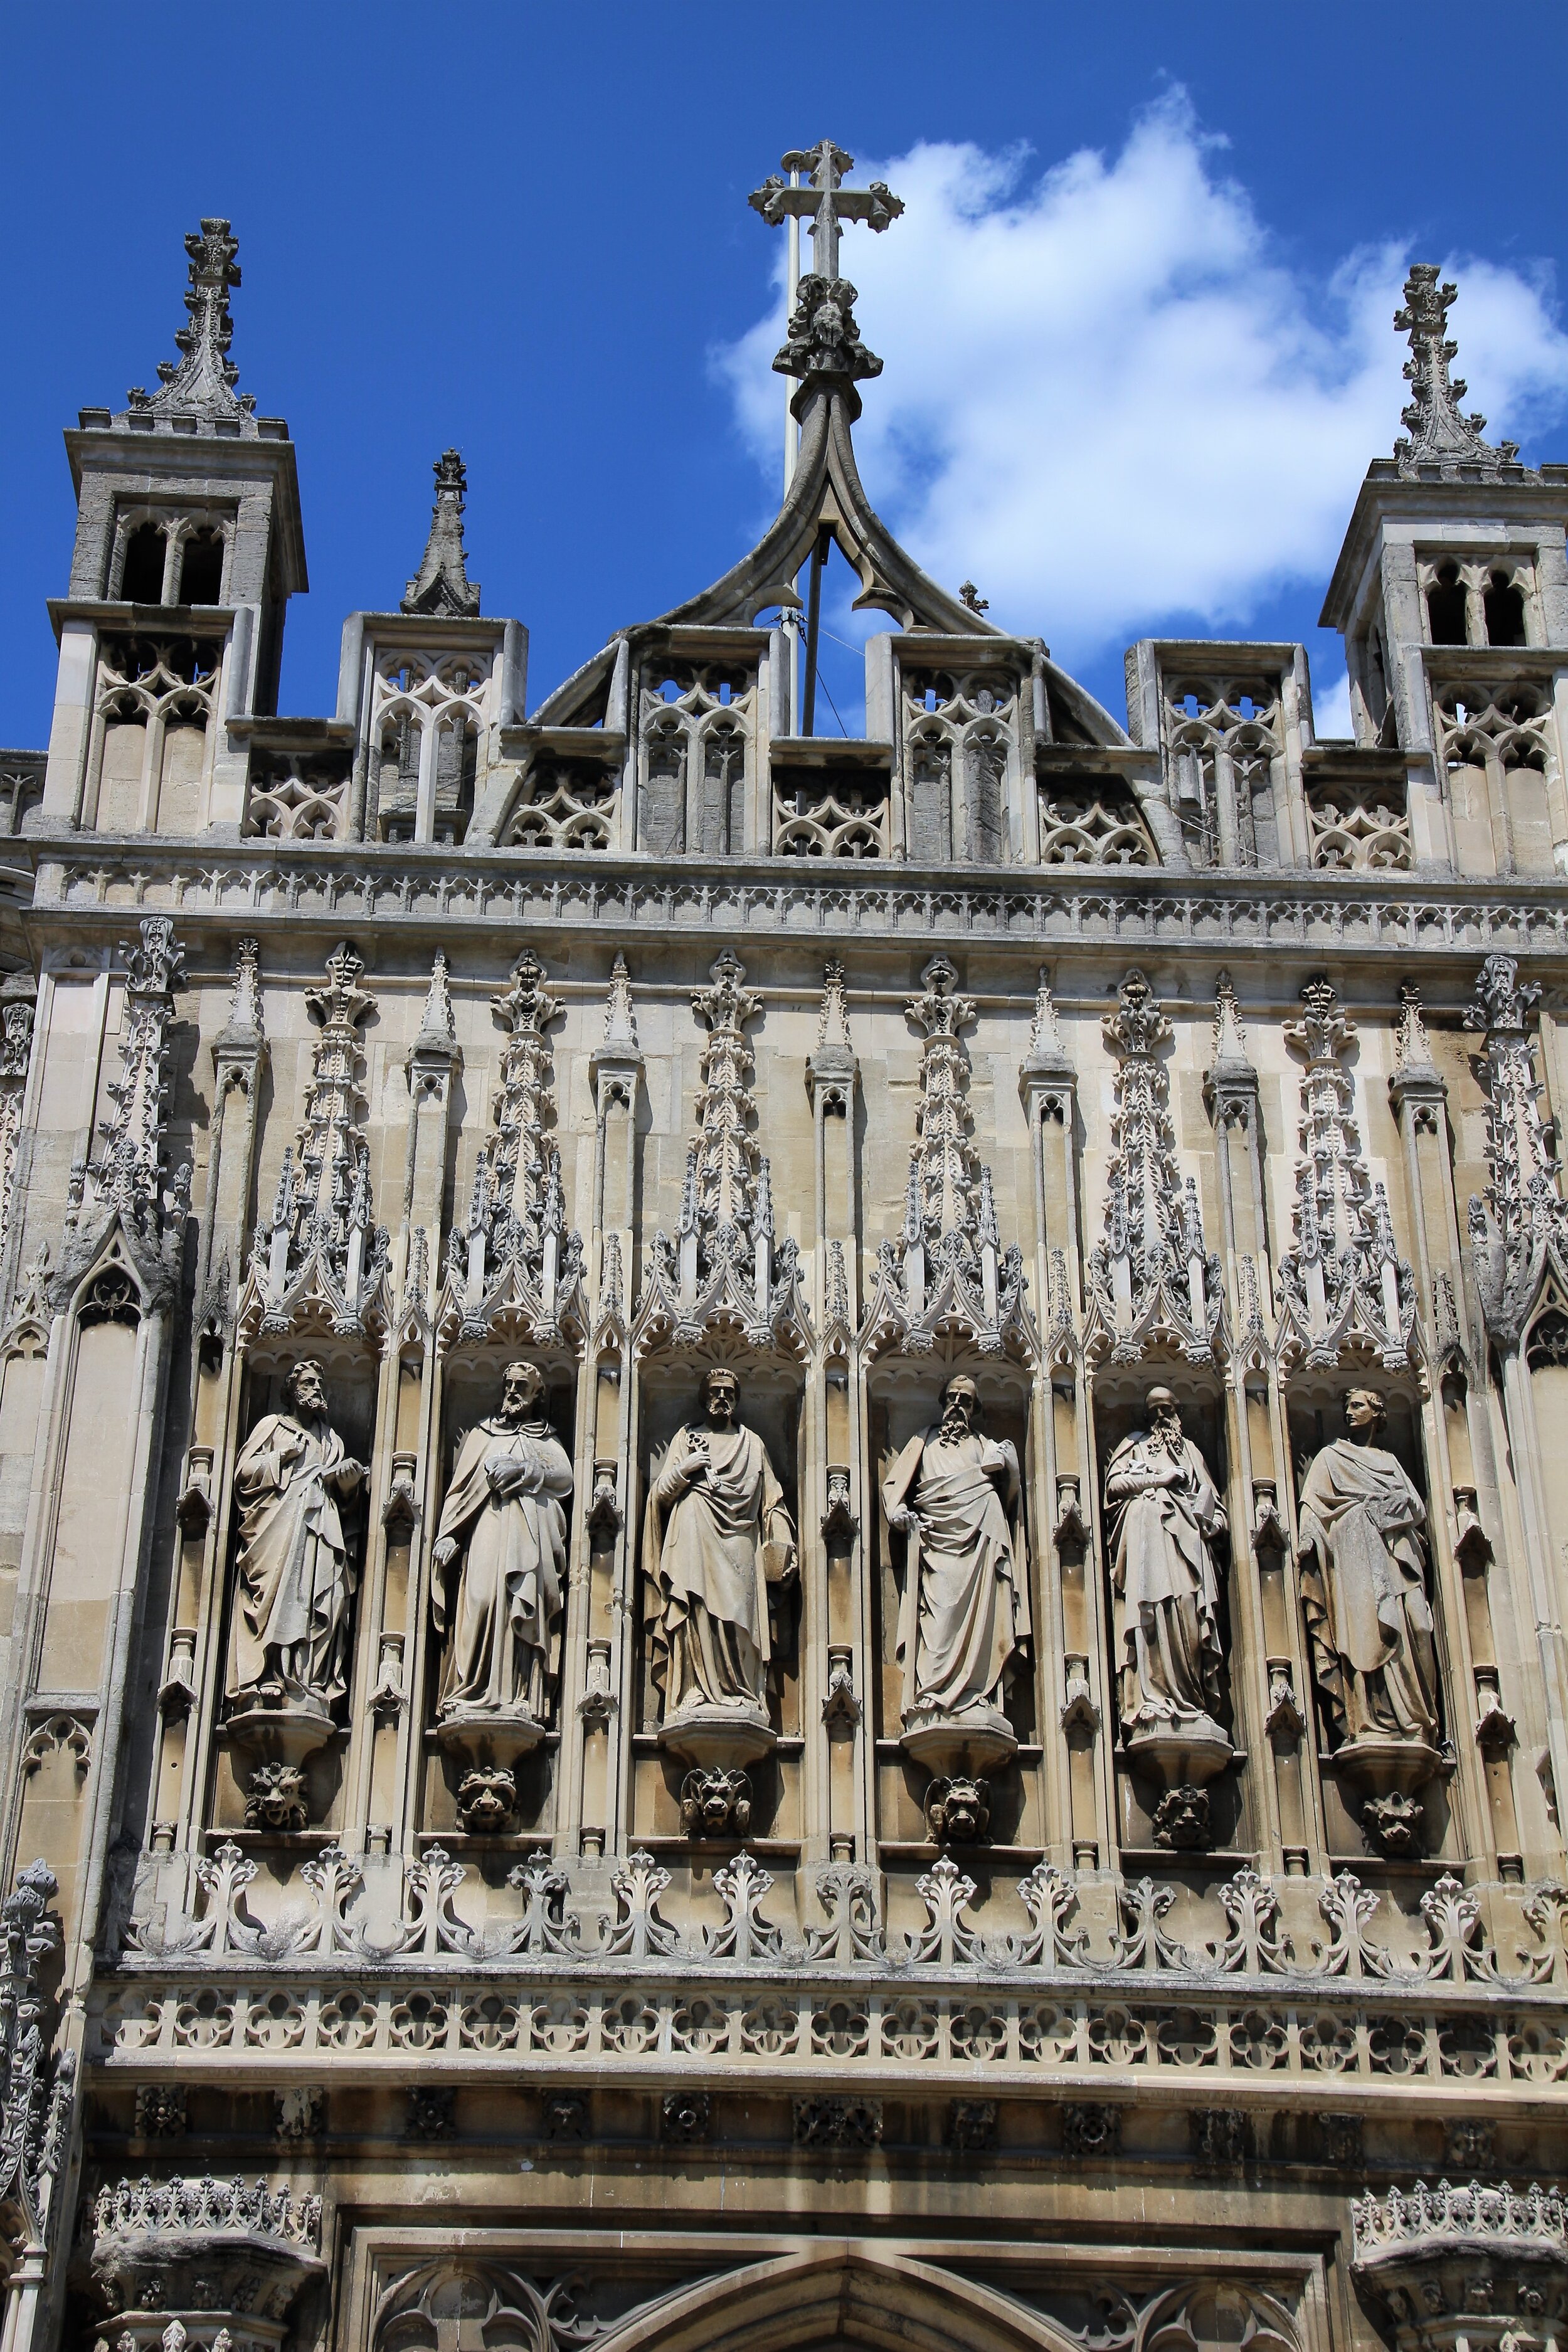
(277,1741)
(1181,1757)
(1385,1774)
(980,1741)
(718,1742)
(488,1742)
(958,1752)
(286,1735)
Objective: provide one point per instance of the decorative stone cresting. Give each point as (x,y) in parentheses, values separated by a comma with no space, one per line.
(1472,2266)
(220,2262)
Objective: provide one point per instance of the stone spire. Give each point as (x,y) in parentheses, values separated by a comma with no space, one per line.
(821,338)
(202,385)
(441,586)
(1440,435)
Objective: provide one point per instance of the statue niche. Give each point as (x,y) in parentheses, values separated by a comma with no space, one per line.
(1369,1619)
(294,1583)
(497,1595)
(955,1498)
(1164,1517)
(718,1543)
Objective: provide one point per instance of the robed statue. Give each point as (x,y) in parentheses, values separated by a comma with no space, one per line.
(1364,1585)
(294,1576)
(955,1497)
(1164,1514)
(500,1557)
(718,1536)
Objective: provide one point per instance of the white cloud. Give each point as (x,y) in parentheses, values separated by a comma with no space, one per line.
(1109,400)
(1331,706)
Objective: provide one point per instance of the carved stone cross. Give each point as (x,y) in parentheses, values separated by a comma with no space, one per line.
(825,202)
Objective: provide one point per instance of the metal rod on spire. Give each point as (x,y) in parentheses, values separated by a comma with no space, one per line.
(792,452)
(824,203)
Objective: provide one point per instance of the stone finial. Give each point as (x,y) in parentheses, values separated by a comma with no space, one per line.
(969,595)
(245,1026)
(832,1023)
(441,587)
(202,384)
(620,1020)
(438,1028)
(1440,435)
(822,338)
(1230,1044)
(1046,1040)
(1412,1046)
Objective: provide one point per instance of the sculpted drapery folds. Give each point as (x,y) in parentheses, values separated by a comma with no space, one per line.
(955,1497)
(294,1577)
(1364,1585)
(718,1536)
(500,1557)
(1164,1514)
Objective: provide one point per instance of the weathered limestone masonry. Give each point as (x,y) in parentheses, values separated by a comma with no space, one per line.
(784,1522)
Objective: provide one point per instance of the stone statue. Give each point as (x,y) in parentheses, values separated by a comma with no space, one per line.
(1164,1514)
(294,1579)
(504,1520)
(718,1535)
(1363,1586)
(955,1496)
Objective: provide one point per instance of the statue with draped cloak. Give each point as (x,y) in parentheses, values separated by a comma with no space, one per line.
(294,1577)
(1163,1513)
(1363,1586)
(504,1519)
(955,1497)
(718,1536)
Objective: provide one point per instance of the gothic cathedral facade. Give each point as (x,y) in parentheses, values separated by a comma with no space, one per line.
(783,1521)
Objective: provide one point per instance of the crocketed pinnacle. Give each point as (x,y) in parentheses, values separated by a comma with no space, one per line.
(1440,435)
(202,384)
(441,585)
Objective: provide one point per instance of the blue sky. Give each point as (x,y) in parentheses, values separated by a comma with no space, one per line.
(1136,331)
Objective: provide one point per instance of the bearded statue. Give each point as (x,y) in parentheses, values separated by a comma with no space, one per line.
(954,1496)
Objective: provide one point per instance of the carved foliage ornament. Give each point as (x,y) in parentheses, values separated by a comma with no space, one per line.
(514,1266)
(1344,1291)
(725,1270)
(1519,1233)
(320,1259)
(129,1180)
(947,1275)
(1153,1282)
